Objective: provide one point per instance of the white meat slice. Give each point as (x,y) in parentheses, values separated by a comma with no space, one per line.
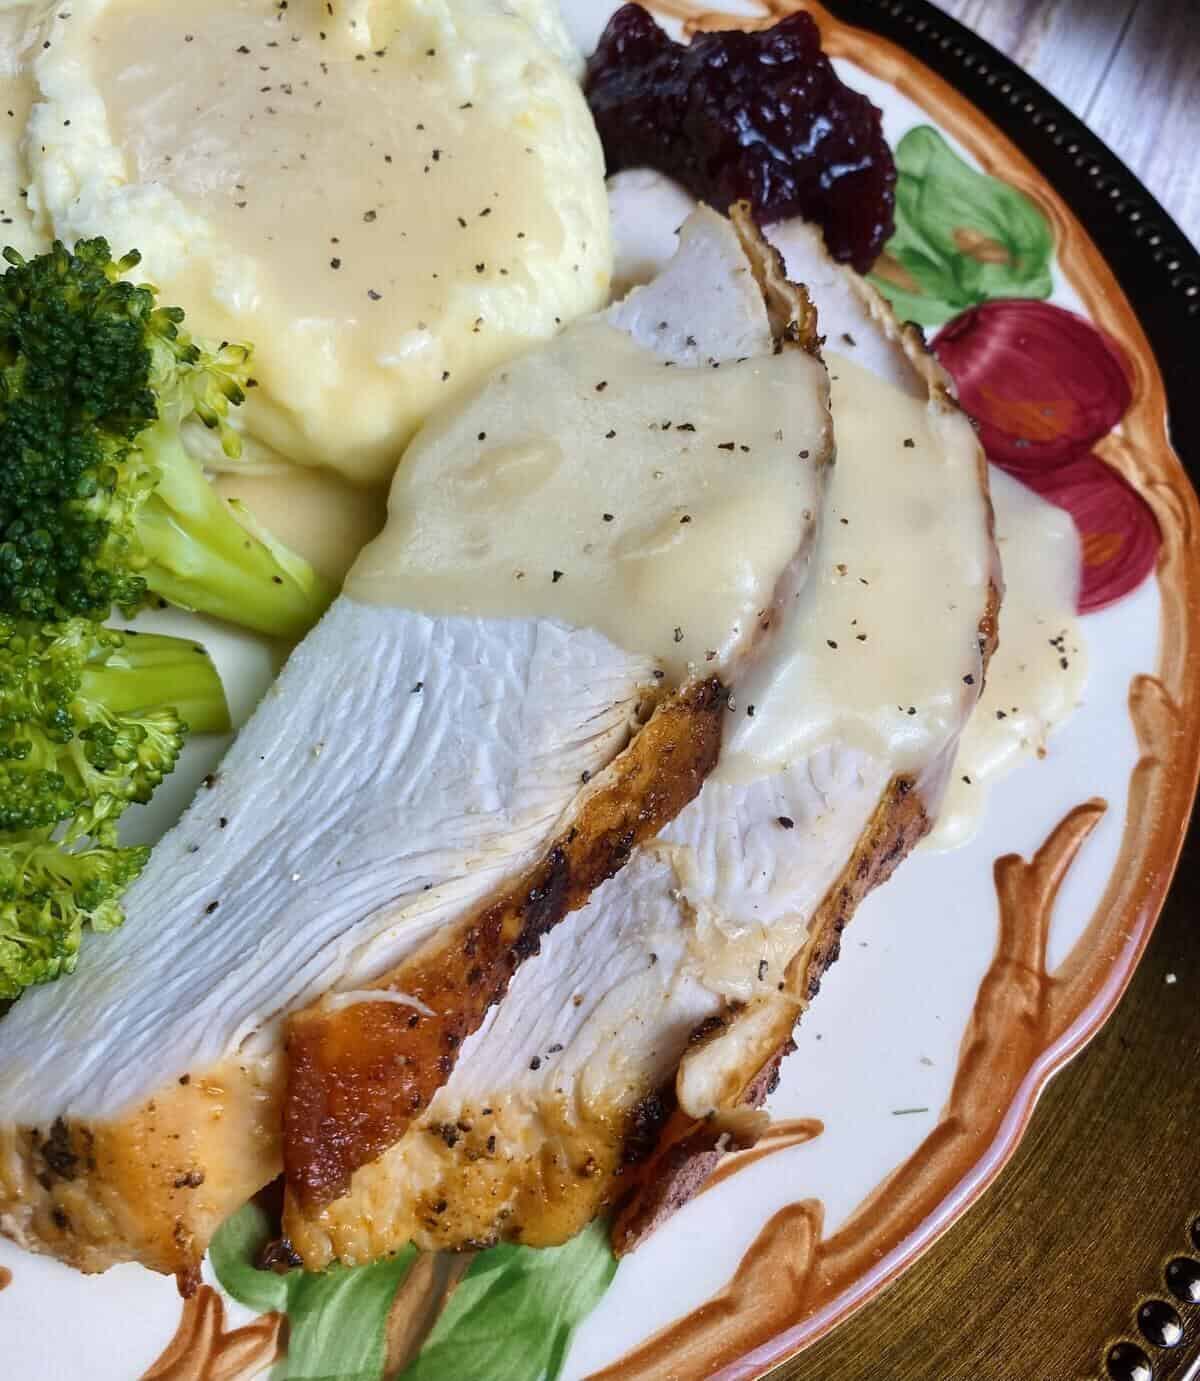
(399,762)
(654,1019)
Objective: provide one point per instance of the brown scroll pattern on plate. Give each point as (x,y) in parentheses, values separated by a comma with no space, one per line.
(202,1350)
(779,1136)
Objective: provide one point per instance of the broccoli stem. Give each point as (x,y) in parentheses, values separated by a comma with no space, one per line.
(152,670)
(202,558)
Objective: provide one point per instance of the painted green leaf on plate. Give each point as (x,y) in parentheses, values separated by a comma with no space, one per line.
(961,238)
(514,1314)
(336,1320)
(511,1318)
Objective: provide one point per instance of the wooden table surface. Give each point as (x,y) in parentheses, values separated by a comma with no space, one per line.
(1129,68)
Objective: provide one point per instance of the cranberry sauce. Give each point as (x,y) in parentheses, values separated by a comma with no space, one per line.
(761,116)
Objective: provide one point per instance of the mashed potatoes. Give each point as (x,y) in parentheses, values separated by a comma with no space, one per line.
(385,196)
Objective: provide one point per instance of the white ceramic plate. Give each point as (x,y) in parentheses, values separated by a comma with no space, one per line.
(963,984)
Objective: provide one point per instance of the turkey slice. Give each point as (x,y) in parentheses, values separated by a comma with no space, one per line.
(636,1047)
(411,777)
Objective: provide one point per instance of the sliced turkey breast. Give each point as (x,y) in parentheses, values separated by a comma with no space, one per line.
(361,1073)
(423,794)
(638,1044)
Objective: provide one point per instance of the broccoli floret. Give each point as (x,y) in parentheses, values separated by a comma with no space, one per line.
(47,895)
(91,720)
(100,502)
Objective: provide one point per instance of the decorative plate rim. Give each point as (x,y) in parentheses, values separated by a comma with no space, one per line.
(969,88)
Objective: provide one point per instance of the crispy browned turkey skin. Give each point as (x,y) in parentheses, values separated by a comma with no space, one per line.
(359,1076)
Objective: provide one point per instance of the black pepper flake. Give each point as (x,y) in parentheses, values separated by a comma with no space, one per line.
(535,1063)
(785,822)
(370,217)
(763,966)
(912,709)
(479,268)
(726,445)
(848,338)
(555,1048)
(585,776)
(687,518)
(685,427)
(374,296)
(555,577)
(608,517)
(802,454)
(462,222)
(418,688)
(749,711)
(968,679)
(829,642)
(211,907)
(602,385)
(1001,715)
(335,263)
(482,436)
(223,822)
(909,443)
(678,635)
(608,436)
